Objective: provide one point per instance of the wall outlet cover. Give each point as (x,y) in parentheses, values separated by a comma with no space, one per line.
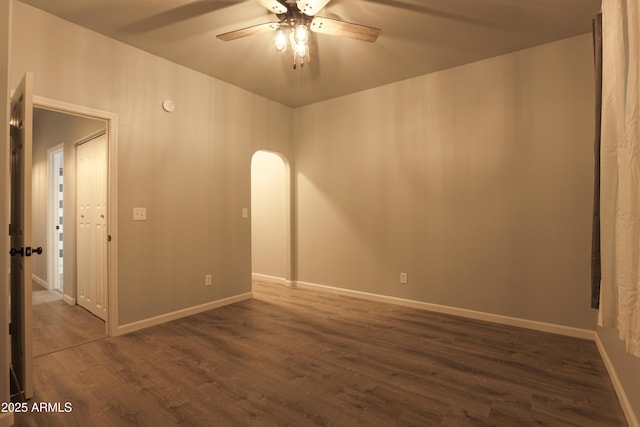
(139,214)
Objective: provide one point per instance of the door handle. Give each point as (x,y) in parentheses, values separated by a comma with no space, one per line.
(29,251)
(25,252)
(14,252)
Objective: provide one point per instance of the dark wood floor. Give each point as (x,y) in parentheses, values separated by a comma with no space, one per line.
(58,325)
(293,357)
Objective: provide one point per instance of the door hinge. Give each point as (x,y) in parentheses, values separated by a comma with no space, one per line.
(109,238)
(10,230)
(10,329)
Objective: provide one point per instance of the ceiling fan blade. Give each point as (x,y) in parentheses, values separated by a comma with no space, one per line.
(176,15)
(311,7)
(249,31)
(273,6)
(335,27)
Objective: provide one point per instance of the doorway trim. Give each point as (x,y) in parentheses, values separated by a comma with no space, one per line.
(111,120)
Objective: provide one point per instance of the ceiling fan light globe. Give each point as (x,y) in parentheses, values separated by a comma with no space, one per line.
(300,50)
(280,41)
(301,34)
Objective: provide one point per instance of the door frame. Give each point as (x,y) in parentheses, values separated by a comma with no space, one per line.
(111,120)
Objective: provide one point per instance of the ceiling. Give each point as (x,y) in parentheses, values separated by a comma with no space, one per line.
(418,37)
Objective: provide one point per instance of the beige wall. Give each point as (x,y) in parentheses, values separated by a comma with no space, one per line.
(190,169)
(627,367)
(476,181)
(50,129)
(269,219)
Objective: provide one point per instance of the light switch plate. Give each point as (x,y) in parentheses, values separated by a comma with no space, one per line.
(139,214)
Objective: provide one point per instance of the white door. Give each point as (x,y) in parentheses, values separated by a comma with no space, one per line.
(91,217)
(20,231)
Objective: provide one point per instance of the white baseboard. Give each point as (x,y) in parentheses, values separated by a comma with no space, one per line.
(69,300)
(6,419)
(627,408)
(163,318)
(40,281)
(271,279)
(471,314)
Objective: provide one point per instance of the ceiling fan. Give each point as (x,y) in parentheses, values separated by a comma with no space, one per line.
(295,19)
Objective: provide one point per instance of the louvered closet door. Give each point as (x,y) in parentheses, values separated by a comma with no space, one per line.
(91,217)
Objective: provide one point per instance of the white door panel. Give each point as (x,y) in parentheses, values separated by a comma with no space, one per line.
(91,176)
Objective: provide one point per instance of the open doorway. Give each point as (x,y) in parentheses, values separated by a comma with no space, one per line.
(55,218)
(57,321)
(270,218)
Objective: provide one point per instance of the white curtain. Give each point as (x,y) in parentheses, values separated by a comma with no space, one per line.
(620,171)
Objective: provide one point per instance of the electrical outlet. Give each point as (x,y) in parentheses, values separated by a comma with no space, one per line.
(208,280)
(139,214)
(403,278)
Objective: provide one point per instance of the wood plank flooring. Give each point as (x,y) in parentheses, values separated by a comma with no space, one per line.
(58,325)
(293,357)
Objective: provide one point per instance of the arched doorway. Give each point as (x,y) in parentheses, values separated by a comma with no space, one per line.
(270,217)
